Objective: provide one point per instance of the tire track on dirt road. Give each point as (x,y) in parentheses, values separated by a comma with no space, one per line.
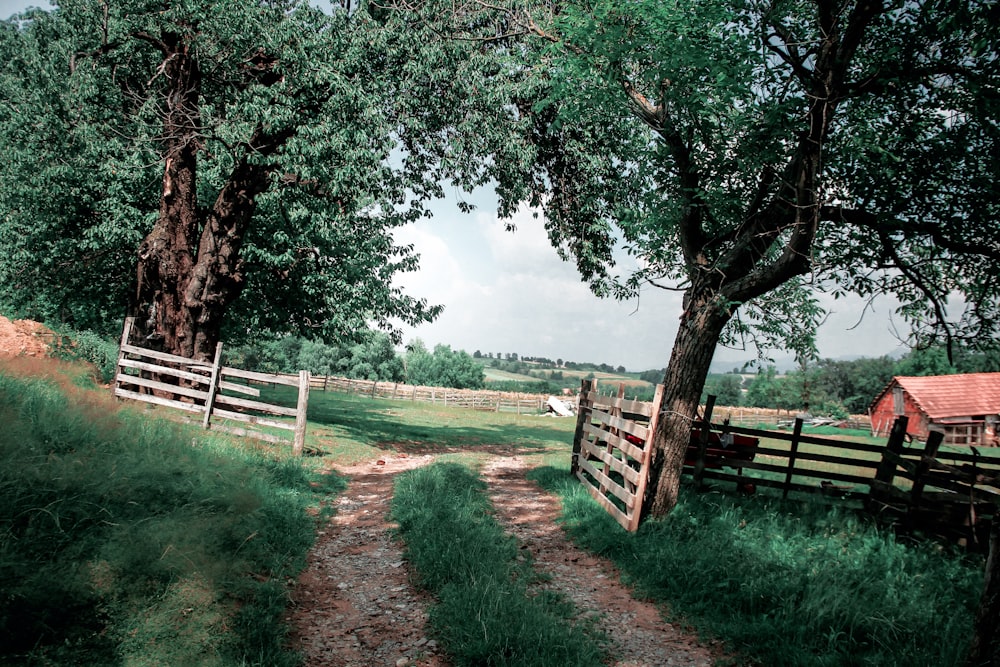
(353,605)
(638,636)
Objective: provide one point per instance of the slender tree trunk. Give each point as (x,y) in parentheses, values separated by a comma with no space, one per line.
(986,641)
(701,325)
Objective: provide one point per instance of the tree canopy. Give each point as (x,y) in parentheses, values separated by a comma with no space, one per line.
(443,367)
(248,152)
(750,155)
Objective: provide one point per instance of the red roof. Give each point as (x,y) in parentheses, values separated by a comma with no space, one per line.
(942,396)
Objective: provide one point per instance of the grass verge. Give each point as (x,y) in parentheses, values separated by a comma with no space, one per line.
(788,584)
(484,614)
(126,540)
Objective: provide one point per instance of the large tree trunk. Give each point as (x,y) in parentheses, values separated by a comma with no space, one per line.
(986,641)
(701,325)
(189,267)
(167,254)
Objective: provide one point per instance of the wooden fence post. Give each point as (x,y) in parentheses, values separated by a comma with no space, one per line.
(647,452)
(934,439)
(301,409)
(582,414)
(706,428)
(796,434)
(126,335)
(886,470)
(616,411)
(213,386)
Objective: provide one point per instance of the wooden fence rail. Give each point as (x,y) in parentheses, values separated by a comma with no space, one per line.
(954,494)
(207,388)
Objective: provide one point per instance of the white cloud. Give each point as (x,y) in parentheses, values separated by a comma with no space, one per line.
(510,292)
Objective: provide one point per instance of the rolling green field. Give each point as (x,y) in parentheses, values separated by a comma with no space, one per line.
(115,525)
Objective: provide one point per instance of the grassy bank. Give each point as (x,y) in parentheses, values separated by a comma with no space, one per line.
(786,584)
(483,614)
(129,540)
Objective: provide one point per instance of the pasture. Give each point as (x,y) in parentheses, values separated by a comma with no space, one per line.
(130,521)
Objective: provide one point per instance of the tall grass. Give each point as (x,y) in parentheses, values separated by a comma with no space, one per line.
(484,615)
(127,540)
(789,584)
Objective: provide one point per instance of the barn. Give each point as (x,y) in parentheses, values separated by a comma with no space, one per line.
(966,407)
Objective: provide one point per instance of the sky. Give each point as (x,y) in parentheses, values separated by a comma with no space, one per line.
(509,292)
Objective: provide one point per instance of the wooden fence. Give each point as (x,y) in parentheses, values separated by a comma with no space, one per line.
(476,399)
(612,468)
(916,486)
(206,388)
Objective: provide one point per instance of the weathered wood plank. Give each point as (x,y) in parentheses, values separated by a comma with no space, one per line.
(171,358)
(253,419)
(613,487)
(241,388)
(156,400)
(256,405)
(609,506)
(260,377)
(619,442)
(622,424)
(631,407)
(163,370)
(123,378)
(619,466)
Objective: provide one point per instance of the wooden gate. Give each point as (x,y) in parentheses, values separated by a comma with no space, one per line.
(201,387)
(611,450)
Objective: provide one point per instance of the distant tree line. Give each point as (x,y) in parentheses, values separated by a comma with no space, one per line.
(375,358)
(828,387)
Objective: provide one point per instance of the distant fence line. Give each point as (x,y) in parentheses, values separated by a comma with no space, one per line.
(476,399)
(201,387)
(492,400)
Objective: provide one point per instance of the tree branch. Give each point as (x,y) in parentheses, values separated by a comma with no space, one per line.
(867,220)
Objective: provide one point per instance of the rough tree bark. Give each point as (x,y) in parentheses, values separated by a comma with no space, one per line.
(694,346)
(189,268)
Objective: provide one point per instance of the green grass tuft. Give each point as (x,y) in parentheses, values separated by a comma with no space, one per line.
(789,584)
(484,615)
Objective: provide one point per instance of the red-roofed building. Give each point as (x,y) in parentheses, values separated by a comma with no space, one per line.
(966,407)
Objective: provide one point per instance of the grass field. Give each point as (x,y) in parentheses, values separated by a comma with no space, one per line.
(495,374)
(604,379)
(128,540)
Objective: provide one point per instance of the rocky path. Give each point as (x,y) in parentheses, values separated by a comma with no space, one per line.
(354,605)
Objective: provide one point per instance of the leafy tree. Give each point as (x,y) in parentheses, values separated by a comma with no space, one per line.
(762,392)
(747,154)
(442,368)
(727,389)
(856,383)
(652,376)
(212,164)
(375,359)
